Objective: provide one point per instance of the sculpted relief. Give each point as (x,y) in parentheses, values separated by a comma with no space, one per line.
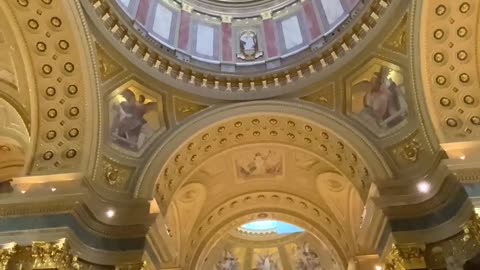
(378,98)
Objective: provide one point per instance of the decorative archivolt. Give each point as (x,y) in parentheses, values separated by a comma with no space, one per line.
(279,206)
(273,122)
(55,52)
(447,45)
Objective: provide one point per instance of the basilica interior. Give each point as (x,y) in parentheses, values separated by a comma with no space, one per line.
(239,134)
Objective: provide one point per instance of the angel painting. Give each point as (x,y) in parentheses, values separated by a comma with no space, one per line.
(266,262)
(128,126)
(307,259)
(384,103)
(260,164)
(228,262)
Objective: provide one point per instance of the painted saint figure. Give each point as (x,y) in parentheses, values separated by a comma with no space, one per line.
(228,262)
(266,262)
(249,46)
(128,123)
(383,101)
(307,259)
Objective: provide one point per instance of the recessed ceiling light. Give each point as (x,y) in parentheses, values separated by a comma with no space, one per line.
(53,189)
(462,157)
(377,267)
(22,191)
(424,187)
(110,213)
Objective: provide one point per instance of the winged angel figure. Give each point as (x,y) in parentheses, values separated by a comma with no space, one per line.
(307,259)
(229,262)
(266,262)
(128,122)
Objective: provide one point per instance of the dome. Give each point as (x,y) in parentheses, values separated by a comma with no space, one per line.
(239,36)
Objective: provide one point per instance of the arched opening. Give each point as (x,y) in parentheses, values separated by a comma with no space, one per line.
(257,167)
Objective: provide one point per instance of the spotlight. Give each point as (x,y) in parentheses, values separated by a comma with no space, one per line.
(424,187)
(110,213)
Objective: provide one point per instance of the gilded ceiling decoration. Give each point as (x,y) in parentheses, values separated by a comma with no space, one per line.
(324,97)
(185,108)
(124,119)
(240,35)
(49,255)
(115,175)
(108,68)
(53,35)
(215,75)
(397,41)
(276,128)
(448,38)
(286,207)
(295,251)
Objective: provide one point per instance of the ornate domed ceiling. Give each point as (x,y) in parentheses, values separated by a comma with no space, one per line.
(239,50)
(238,34)
(298,250)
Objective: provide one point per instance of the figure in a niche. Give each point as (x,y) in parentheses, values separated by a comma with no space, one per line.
(228,262)
(307,259)
(249,46)
(383,101)
(128,124)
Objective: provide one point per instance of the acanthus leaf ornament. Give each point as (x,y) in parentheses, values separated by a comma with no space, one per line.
(249,50)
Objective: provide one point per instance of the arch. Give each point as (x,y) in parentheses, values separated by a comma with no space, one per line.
(274,205)
(62,90)
(297,124)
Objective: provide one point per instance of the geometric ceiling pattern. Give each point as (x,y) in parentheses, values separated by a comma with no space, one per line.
(238,134)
